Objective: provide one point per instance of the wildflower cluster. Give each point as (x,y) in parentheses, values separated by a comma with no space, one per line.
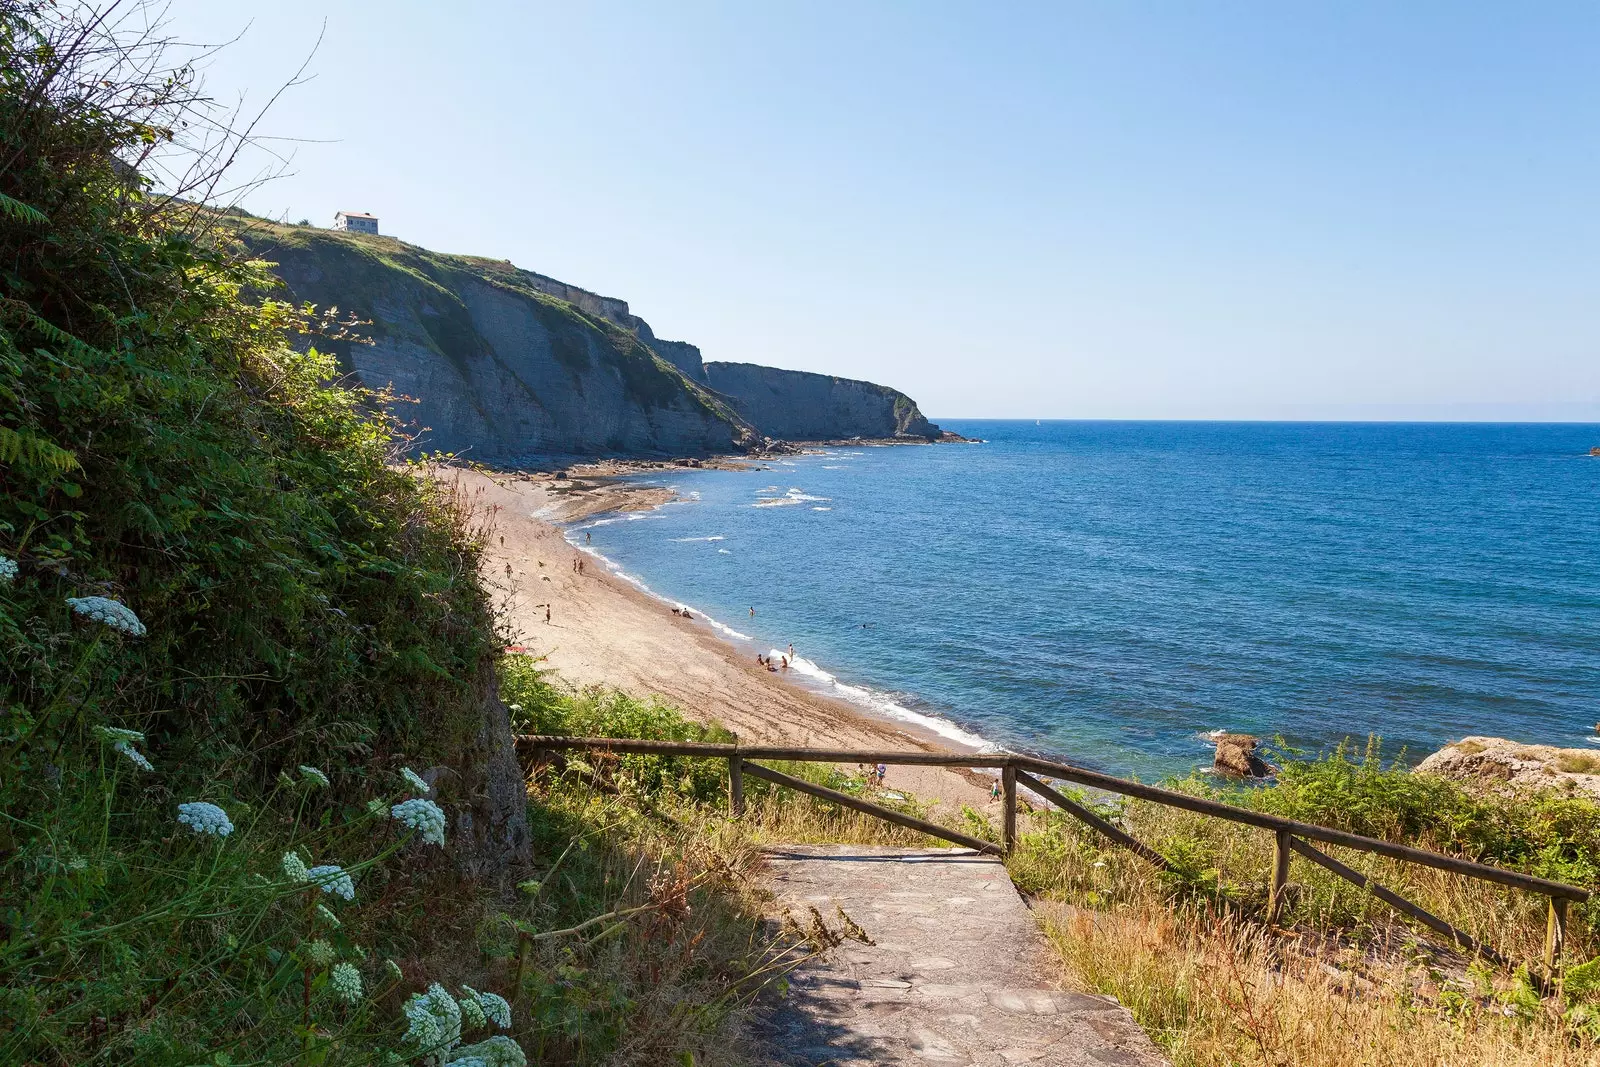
(319,952)
(331,878)
(497,1051)
(422,815)
(346,982)
(314,776)
(122,742)
(205,818)
(8,569)
(435,1019)
(415,782)
(105,610)
(294,868)
(486,1008)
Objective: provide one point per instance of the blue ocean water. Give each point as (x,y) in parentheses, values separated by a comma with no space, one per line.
(1110,591)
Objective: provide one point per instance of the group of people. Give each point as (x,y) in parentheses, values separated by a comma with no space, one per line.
(768,661)
(577,565)
(874,775)
(683,613)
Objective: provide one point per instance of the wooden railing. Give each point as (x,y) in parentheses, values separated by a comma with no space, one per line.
(1290,837)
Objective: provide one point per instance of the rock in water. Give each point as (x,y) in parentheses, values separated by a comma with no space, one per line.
(1236,757)
(1506,766)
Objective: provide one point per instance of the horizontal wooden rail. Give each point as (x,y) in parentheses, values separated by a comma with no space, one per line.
(1172,798)
(886,814)
(767,752)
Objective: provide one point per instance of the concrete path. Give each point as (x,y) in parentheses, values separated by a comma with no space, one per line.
(957,974)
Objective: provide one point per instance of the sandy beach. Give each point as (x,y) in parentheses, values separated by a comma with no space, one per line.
(604,631)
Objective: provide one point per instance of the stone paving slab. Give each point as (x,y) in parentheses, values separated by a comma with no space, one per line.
(957,974)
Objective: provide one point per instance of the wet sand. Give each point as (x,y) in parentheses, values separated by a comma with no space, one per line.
(604,631)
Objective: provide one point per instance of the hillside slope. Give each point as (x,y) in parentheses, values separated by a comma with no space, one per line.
(499,367)
(799,405)
(506,364)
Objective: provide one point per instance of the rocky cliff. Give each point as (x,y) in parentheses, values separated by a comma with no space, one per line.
(506,365)
(801,406)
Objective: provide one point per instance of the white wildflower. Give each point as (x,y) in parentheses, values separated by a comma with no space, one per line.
(103,609)
(332,879)
(328,917)
(472,1016)
(394,970)
(423,815)
(497,1051)
(435,1019)
(8,569)
(122,742)
(497,1008)
(314,776)
(319,952)
(205,818)
(294,868)
(346,982)
(414,780)
(376,805)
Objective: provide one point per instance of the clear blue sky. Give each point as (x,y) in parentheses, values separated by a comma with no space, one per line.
(1122,210)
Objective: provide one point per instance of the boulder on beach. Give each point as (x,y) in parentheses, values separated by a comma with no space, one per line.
(1236,757)
(1505,766)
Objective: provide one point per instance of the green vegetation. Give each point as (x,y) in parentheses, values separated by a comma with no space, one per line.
(283,621)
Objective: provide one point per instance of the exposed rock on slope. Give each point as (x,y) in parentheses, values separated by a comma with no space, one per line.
(802,406)
(1497,763)
(507,364)
(500,368)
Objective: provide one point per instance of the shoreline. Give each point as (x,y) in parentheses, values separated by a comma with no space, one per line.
(607,629)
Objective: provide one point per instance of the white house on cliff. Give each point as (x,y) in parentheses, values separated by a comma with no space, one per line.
(355,222)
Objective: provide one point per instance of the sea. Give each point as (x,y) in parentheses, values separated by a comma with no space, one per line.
(1113,593)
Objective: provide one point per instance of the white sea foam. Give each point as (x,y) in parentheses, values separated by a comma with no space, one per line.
(686,540)
(723,552)
(790,498)
(821,509)
(834,467)
(880,704)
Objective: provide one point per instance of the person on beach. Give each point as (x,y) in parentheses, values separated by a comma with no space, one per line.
(883,772)
(994,790)
(785,662)
(588,538)
(752,613)
(791,650)
(547,614)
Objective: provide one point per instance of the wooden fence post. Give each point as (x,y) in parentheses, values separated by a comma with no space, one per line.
(735,786)
(1280,875)
(1555,938)
(1008,789)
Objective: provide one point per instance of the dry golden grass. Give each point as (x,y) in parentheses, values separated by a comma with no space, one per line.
(1216,992)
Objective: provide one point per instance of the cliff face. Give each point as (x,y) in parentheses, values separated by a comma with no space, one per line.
(500,368)
(505,364)
(802,406)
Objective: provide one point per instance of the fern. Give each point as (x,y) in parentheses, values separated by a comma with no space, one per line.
(20,448)
(81,349)
(18,211)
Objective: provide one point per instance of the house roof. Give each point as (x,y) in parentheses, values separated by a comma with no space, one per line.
(356,215)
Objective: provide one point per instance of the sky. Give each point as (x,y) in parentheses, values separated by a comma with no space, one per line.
(1250,210)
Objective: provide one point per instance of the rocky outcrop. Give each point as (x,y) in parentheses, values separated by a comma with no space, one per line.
(495,366)
(506,365)
(1500,765)
(802,406)
(1236,758)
